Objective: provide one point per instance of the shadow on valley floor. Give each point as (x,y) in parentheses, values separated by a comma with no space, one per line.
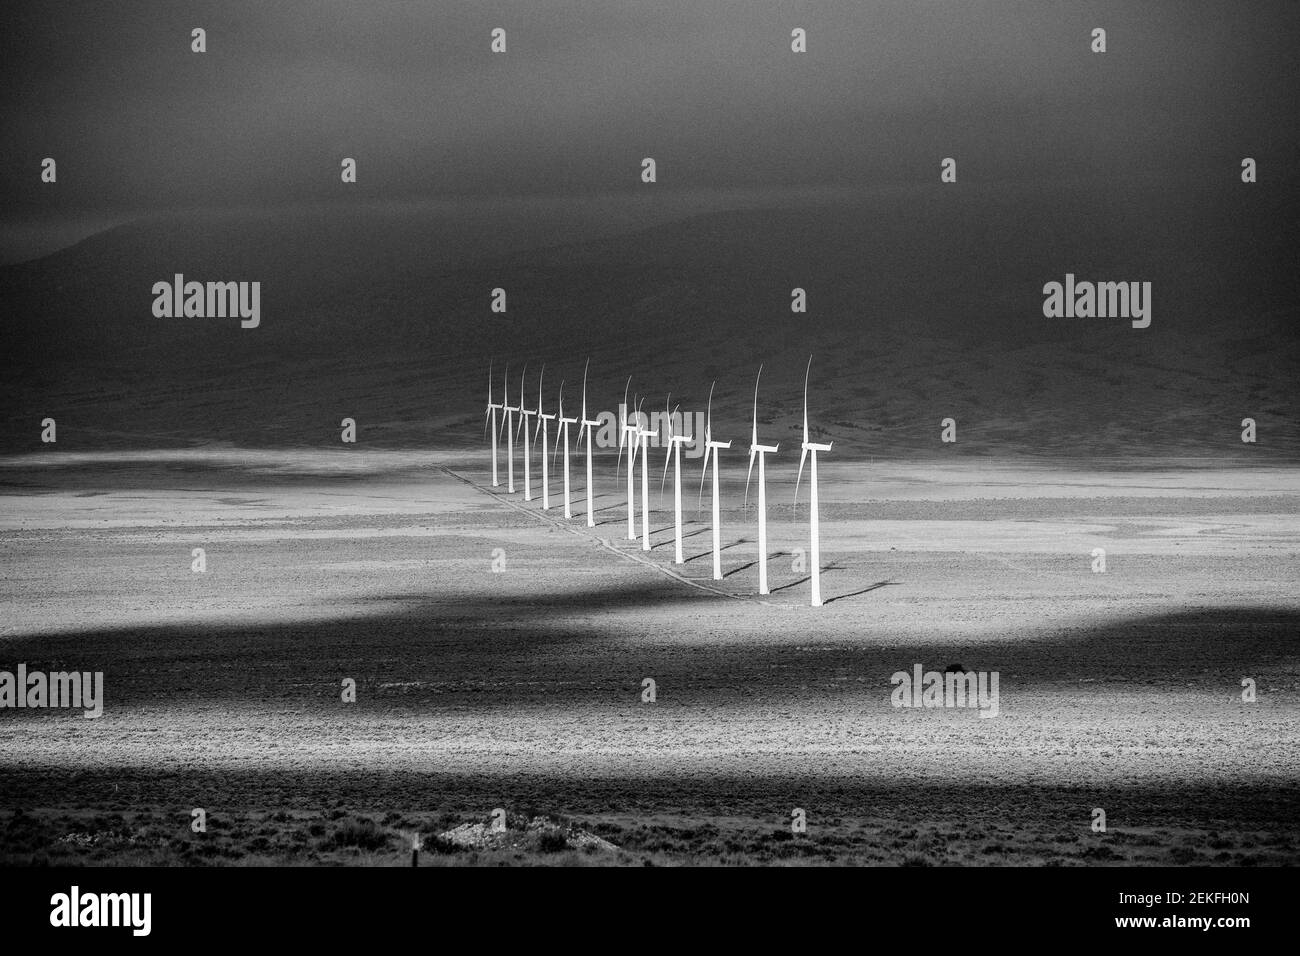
(420,652)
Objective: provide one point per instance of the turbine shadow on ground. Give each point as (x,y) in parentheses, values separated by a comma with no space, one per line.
(873,587)
(723,547)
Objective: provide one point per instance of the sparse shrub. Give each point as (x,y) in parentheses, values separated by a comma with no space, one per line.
(437,844)
(552,841)
(1099,853)
(1182,855)
(361,833)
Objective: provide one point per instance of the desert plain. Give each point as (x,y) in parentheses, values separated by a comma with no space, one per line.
(521,688)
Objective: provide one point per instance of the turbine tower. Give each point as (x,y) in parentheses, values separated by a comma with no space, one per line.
(564,431)
(584,434)
(509,426)
(490,421)
(524,446)
(711,446)
(627,431)
(761,451)
(644,435)
(675,455)
(814,448)
(542,426)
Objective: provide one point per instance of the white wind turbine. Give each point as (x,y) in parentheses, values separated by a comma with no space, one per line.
(713,447)
(761,451)
(524,446)
(564,431)
(542,419)
(584,434)
(627,431)
(644,435)
(675,455)
(490,421)
(814,448)
(509,426)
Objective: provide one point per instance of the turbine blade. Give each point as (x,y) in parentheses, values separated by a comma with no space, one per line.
(672,433)
(642,444)
(584,388)
(699,505)
(622,434)
(561,433)
(708,420)
(748,476)
(805,410)
(753,432)
(802,455)
(539,390)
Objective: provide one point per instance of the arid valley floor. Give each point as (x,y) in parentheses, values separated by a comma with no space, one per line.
(522,688)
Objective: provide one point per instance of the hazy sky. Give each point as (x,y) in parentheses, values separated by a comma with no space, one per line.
(587,88)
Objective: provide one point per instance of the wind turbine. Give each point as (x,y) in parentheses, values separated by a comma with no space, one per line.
(524,447)
(713,446)
(628,432)
(675,455)
(584,433)
(542,419)
(564,430)
(761,451)
(490,416)
(509,426)
(644,435)
(814,448)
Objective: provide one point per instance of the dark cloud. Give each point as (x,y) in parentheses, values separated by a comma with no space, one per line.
(711,90)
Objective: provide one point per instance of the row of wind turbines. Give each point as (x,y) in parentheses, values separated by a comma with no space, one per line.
(636,437)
